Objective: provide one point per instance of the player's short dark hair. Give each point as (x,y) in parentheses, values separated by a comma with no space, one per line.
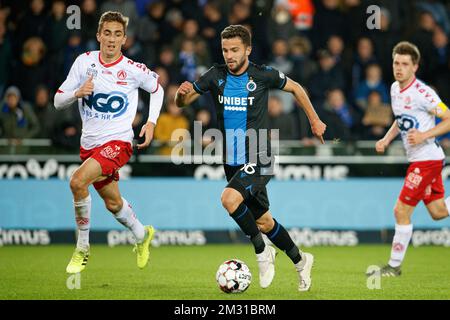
(113,16)
(407,48)
(237,31)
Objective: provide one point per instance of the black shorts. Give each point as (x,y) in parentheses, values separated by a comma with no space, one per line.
(250,181)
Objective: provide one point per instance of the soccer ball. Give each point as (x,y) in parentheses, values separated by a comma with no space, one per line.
(233,276)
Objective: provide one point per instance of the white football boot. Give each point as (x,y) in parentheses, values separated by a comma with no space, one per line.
(266,264)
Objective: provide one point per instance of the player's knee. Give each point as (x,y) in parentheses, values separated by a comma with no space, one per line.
(113,205)
(76,184)
(400,214)
(229,201)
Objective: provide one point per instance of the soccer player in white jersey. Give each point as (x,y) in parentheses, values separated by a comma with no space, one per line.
(415,106)
(106,83)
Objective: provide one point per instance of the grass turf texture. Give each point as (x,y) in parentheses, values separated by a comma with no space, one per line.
(189,273)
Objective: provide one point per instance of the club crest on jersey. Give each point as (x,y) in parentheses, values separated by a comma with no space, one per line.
(251,85)
(122,75)
(91,72)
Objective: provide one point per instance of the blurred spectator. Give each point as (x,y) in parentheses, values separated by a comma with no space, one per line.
(141,6)
(45,112)
(213,24)
(377,117)
(281,62)
(187,61)
(132,49)
(17,118)
(56,36)
(164,80)
(32,24)
(302,13)
(73,49)
(67,132)
(364,56)
(342,55)
(372,82)
(423,39)
(441,67)
(384,40)
(127,8)
(5,58)
(280,120)
(438,11)
(339,118)
(280,24)
(149,31)
(32,69)
(280,56)
(169,121)
(240,13)
(328,20)
(303,66)
(191,33)
(167,60)
(203,116)
(89,20)
(327,77)
(355,19)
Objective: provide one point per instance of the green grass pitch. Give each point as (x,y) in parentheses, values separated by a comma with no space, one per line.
(189,273)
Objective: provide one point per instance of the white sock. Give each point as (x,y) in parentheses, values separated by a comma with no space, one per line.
(447,203)
(83,220)
(127,217)
(400,243)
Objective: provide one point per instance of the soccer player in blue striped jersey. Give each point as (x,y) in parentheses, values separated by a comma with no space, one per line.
(240,91)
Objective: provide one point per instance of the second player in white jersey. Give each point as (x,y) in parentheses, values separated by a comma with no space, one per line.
(108,113)
(414,108)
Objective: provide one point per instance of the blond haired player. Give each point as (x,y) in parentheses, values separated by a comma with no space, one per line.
(106,84)
(415,106)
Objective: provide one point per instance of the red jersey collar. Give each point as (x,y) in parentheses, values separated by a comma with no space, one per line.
(107,65)
(408,86)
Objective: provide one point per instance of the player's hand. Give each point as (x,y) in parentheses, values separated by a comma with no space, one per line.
(415,137)
(86,89)
(318,129)
(147,130)
(381,145)
(185,88)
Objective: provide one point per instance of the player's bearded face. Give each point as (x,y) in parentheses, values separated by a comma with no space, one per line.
(235,54)
(403,68)
(111,38)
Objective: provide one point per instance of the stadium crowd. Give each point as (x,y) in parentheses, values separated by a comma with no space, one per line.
(325,45)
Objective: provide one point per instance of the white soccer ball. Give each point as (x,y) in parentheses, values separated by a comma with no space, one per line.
(233,276)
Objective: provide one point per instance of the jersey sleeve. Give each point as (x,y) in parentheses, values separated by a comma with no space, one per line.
(147,80)
(431,101)
(275,78)
(204,83)
(73,80)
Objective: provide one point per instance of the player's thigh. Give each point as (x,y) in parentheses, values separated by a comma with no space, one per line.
(89,172)
(110,194)
(403,211)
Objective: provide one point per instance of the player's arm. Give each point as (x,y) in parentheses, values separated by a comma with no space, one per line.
(392,133)
(317,126)
(185,94)
(71,90)
(416,137)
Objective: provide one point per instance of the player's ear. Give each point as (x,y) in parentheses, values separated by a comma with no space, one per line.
(124,39)
(415,67)
(98,36)
(248,50)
